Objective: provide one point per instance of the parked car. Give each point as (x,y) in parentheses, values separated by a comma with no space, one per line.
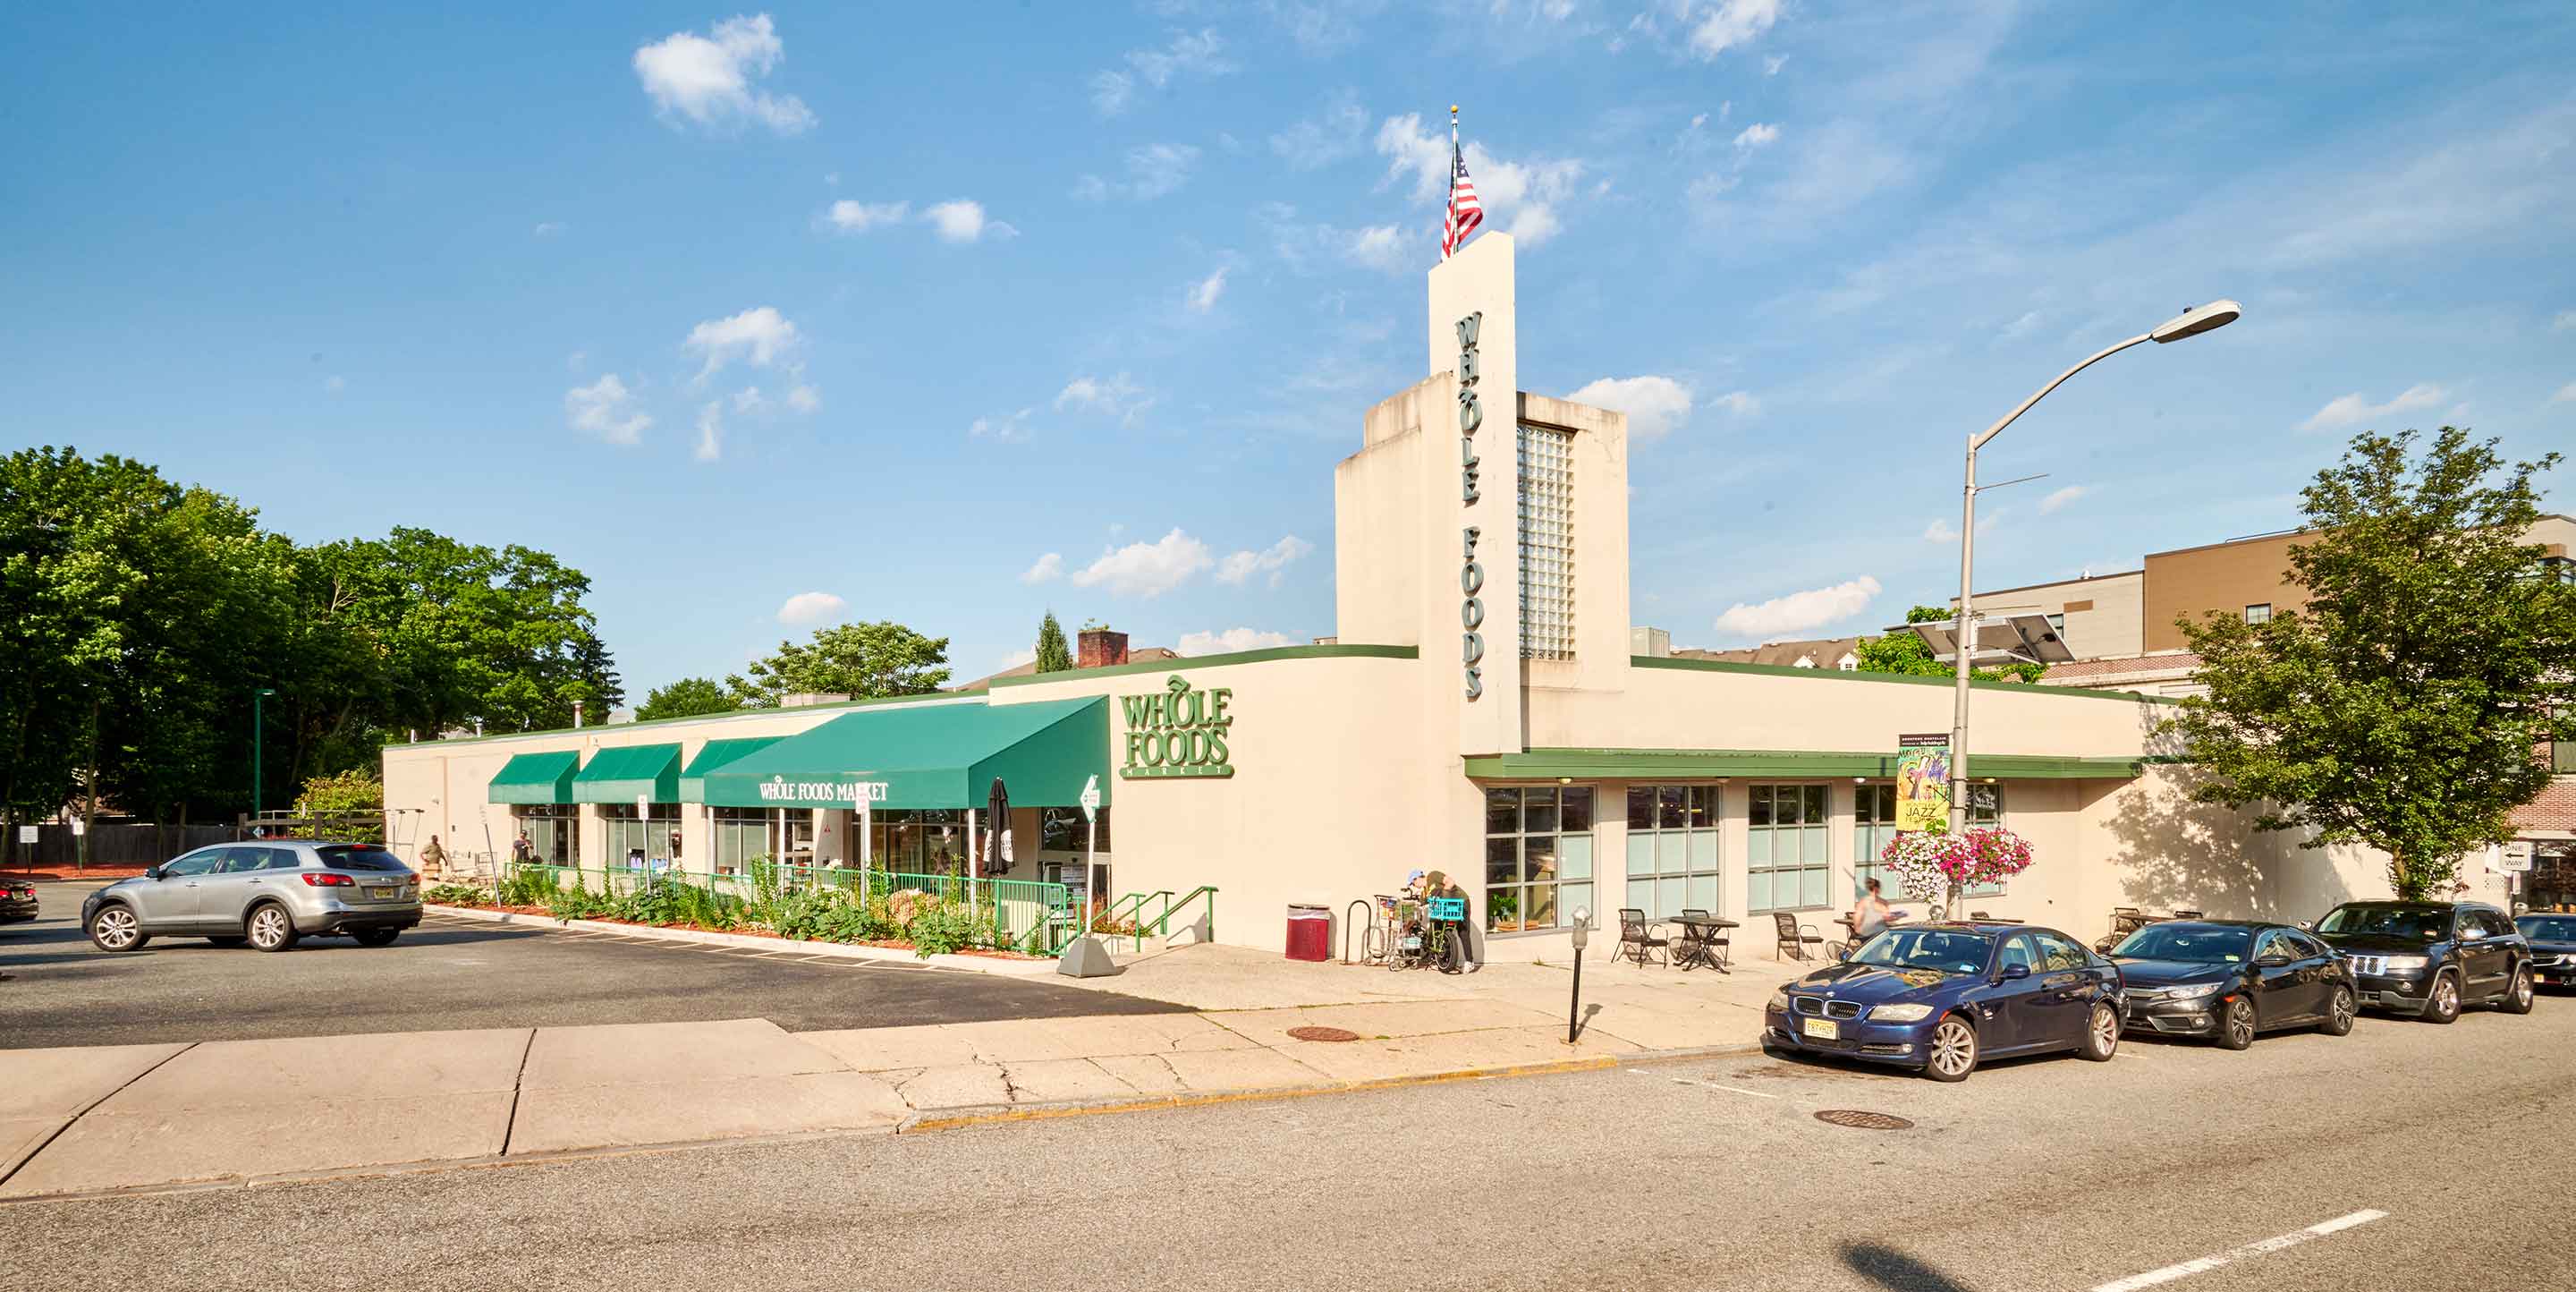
(2553,948)
(17,900)
(268,894)
(1941,998)
(2432,959)
(2228,980)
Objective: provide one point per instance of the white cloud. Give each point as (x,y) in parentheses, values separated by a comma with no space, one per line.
(1152,171)
(1756,135)
(1230,641)
(1799,611)
(759,337)
(1147,569)
(2353,410)
(2020,327)
(804,399)
(1739,402)
(2566,394)
(1339,131)
(1379,246)
(1655,406)
(1940,531)
(334,384)
(548,228)
(1522,197)
(749,400)
(711,431)
(1204,293)
(811,608)
(2566,319)
(1024,655)
(606,409)
(1116,396)
(1198,54)
(1730,23)
(709,81)
(1273,560)
(1049,568)
(858,217)
(964,221)
(2058,499)
(1008,430)
(1771,65)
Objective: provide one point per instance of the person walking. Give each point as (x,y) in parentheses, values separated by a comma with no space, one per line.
(1870,914)
(433,859)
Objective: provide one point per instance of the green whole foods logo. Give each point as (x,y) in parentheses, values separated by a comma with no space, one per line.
(1178,731)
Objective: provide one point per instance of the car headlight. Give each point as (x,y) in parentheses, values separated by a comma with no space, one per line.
(1780,1001)
(2193,991)
(2405,964)
(1915,1013)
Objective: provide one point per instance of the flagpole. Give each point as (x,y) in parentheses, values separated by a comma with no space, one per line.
(1449,208)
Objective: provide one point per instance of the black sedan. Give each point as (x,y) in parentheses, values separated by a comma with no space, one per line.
(2230,979)
(17,900)
(1939,998)
(2553,948)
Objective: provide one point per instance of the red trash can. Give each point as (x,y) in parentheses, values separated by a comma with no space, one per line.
(1310,933)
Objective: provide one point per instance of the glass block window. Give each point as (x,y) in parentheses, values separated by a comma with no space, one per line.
(1547,543)
(1785,861)
(1538,855)
(1672,849)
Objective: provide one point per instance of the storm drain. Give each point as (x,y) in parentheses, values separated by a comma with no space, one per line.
(1323,1034)
(1859,1120)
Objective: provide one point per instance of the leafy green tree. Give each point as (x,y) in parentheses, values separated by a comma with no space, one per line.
(686,698)
(1053,655)
(1905,653)
(345,794)
(863,661)
(2401,706)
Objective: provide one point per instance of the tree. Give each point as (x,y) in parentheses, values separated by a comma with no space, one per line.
(2401,706)
(863,661)
(1053,655)
(1905,653)
(686,698)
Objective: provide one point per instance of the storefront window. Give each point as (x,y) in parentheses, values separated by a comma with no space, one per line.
(655,836)
(741,834)
(1873,828)
(931,841)
(553,831)
(1985,807)
(1786,866)
(1061,830)
(1538,855)
(1672,849)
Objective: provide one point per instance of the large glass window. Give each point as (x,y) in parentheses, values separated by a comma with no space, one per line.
(1985,807)
(1672,849)
(931,841)
(1786,856)
(1060,829)
(1538,855)
(657,836)
(553,831)
(1873,828)
(741,833)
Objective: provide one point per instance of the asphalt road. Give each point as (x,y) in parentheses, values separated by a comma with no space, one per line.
(456,973)
(1705,1174)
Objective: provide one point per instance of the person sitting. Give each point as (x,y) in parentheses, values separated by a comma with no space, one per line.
(1870,914)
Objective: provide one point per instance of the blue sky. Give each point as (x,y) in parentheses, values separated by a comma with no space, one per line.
(1116,284)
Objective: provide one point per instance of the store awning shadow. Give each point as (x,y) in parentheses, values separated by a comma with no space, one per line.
(1889,1268)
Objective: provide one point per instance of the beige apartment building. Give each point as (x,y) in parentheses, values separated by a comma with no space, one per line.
(1483,708)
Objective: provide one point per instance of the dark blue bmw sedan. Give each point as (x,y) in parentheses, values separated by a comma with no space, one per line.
(1939,998)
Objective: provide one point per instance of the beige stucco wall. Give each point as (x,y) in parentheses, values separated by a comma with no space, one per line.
(2108,624)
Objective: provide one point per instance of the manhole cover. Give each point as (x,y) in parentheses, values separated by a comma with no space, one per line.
(1323,1034)
(1858,1120)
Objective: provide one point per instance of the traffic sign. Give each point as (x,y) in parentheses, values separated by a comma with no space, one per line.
(1091,799)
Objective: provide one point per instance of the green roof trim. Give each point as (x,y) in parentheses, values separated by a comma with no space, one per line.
(620,773)
(1186,663)
(1901,679)
(764,712)
(929,756)
(1786,764)
(535,778)
(715,754)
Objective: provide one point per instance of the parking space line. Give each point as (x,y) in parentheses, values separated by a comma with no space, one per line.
(2205,1264)
(1709,1085)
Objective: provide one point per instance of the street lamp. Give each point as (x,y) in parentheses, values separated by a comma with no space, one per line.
(1963,638)
(258,729)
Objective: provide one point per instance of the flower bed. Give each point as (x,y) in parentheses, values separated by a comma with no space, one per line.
(909,920)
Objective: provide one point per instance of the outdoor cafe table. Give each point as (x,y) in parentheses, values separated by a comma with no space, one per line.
(1699,943)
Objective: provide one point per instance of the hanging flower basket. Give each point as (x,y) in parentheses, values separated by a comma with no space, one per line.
(1937,866)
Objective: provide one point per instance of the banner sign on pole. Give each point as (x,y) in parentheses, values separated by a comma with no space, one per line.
(1923,782)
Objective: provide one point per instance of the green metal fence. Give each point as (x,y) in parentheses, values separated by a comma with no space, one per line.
(1027,915)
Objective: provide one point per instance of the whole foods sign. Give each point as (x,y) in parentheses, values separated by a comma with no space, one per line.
(1177,731)
(779,789)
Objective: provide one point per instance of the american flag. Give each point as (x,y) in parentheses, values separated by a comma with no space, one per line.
(1464,211)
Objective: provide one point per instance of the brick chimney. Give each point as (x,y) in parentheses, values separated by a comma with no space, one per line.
(1099,648)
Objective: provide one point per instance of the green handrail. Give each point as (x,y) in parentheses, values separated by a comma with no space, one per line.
(1163,924)
(1133,905)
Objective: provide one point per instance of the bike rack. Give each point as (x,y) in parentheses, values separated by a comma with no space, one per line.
(1361,926)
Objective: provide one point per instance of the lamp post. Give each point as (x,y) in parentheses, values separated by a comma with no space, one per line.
(1963,638)
(258,749)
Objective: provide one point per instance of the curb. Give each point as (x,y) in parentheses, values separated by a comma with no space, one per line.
(843,950)
(994,1115)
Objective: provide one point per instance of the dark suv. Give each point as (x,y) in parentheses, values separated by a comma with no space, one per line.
(2432,958)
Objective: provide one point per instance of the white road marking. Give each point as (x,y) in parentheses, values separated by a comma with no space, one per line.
(1709,1085)
(2207,1263)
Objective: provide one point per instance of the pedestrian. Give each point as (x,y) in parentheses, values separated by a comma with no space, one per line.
(521,850)
(433,859)
(1870,914)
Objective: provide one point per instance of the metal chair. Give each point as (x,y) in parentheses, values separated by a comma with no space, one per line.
(1637,938)
(1700,943)
(1795,938)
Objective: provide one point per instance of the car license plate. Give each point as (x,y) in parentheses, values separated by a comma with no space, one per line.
(382,892)
(1823,1029)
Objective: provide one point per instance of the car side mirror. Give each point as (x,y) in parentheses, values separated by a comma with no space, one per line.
(152,872)
(2272,961)
(2309,925)
(2012,972)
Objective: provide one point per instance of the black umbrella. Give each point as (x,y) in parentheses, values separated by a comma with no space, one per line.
(997,826)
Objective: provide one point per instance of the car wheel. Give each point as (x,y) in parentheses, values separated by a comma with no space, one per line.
(228,940)
(376,937)
(2517,997)
(1954,1050)
(2443,1005)
(270,929)
(2338,1014)
(115,928)
(2101,1034)
(2236,1025)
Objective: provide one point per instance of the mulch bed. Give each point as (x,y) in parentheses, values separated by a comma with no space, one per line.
(53,876)
(887,945)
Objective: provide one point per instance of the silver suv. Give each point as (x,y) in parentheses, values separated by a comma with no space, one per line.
(268,894)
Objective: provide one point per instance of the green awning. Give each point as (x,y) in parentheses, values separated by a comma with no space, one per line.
(535,778)
(715,754)
(933,755)
(621,774)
